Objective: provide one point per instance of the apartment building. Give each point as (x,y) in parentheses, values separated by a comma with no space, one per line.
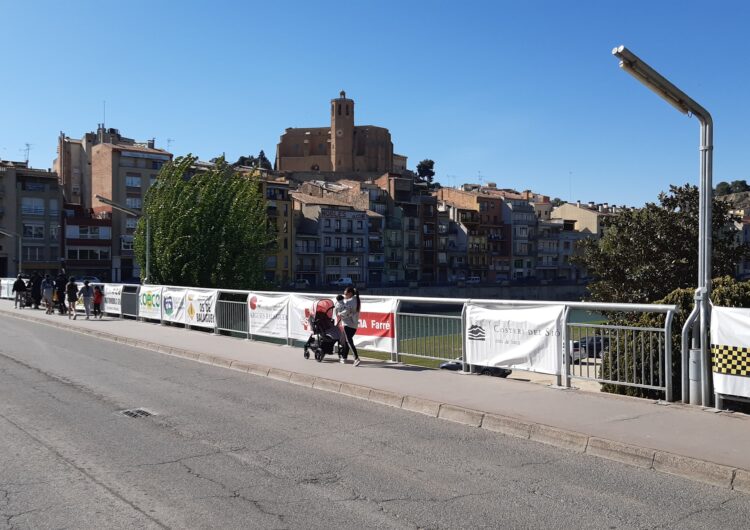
(332,240)
(87,243)
(29,208)
(279,266)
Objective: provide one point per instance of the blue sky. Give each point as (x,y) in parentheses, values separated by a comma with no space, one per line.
(524,94)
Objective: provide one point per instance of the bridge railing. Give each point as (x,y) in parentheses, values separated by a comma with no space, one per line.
(476,333)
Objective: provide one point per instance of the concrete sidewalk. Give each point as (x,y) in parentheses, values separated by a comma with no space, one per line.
(673,438)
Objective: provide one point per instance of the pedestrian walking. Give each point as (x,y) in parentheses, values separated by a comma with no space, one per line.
(347,309)
(19,287)
(87,293)
(61,282)
(98,299)
(71,290)
(35,284)
(48,293)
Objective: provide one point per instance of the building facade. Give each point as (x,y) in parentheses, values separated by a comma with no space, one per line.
(343,147)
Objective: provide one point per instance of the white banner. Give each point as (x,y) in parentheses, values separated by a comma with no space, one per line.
(112,298)
(267,315)
(200,308)
(730,350)
(376,321)
(6,288)
(525,338)
(149,302)
(173,304)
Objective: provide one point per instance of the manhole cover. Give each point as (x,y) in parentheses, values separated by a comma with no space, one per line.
(137,413)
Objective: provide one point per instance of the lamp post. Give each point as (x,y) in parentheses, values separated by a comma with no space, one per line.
(134,213)
(696,380)
(8,233)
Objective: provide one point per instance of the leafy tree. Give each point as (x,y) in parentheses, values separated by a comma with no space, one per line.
(210,230)
(738,186)
(722,188)
(557,201)
(249,161)
(647,253)
(263,160)
(426,170)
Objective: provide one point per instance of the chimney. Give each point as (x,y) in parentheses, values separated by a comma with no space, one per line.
(592,205)
(578,203)
(601,208)
(151,143)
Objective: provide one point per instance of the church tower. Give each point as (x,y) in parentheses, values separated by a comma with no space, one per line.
(342,133)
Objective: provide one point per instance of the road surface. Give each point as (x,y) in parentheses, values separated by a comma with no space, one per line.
(230,450)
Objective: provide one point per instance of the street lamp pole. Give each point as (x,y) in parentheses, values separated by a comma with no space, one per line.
(696,378)
(134,213)
(8,233)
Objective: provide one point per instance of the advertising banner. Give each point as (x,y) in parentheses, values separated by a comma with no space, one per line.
(200,308)
(112,299)
(376,321)
(149,302)
(173,304)
(525,338)
(6,288)
(267,315)
(730,350)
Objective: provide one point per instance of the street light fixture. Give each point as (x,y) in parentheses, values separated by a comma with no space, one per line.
(134,213)
(8,233)
(698,320)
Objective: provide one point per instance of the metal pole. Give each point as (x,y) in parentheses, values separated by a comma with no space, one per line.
(669,392)
(20,254)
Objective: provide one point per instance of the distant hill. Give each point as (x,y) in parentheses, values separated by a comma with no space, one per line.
(737,200)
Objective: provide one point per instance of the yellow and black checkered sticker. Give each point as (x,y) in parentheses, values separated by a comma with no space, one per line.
(730,360)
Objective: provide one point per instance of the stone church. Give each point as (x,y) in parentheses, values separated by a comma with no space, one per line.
(341,148)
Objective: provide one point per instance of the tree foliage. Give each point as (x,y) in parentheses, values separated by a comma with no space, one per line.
(251,161)
(738,186)
(647,253)
(426,170)
(207,231)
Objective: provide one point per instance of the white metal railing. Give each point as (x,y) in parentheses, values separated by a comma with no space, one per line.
(612,354)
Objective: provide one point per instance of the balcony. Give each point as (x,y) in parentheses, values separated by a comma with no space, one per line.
(376,261)
(412,245)
(30,210)
(307,249)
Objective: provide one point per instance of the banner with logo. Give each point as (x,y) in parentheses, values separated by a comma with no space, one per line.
(149,302)
(200,308)
(730,350)
(112,299)
(376,329)
(267,315)
(525,338)
(173,304)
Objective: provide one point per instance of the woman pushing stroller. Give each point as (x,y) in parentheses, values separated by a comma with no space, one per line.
(347,309)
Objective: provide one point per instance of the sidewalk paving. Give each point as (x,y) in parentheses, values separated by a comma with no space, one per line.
(647,428)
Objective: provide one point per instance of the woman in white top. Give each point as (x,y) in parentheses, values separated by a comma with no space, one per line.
(348,311)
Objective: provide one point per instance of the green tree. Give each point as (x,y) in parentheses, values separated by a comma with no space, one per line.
(263,161)
(738,186)
(647,253)
(722,188)
(557,201)
(207,231)
(426,170)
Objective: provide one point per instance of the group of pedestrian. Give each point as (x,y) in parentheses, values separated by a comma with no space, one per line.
(62,293)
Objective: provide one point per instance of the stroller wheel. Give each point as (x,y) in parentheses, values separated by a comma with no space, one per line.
(319,355)
(306,354)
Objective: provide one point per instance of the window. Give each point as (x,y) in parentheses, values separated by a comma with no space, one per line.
(94,232)
(33,253)
(33,231)
(349,225)
(133,180)
(286,243)
(131,223)
(359,242)
(359,225)
(127,161)
(271,262)
(327,223)
(327,241)
(333,261)
(86,254)
(349,243)
(352,261)
(54,233)
(338,243)
(140,162)
(338,224)
(151,180)
(32,206)
(54,208)
(126,243)
(133,202)
(156,164)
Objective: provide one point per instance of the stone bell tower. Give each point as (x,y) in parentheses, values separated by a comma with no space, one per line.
(342,133)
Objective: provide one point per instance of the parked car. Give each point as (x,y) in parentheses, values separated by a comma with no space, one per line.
(90,279)
(342,282)
(495,371)
(473,280)
(587,348)
(300,284)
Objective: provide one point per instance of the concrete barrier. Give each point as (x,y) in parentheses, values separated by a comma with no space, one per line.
(699,470)
(422,406)
(569,440)
(507,426)
(460,415)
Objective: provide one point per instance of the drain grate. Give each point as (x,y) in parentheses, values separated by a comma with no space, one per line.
(137,413)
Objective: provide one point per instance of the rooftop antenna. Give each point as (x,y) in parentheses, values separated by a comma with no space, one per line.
(480,177)
(169,144)
(25,151)
(104,114)
(570,186)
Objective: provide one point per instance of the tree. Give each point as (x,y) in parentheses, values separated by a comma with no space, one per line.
(722,188)
(647,253)
(207,231)
(738,186)
(557,201)
(251,161)
(426,170)
(263,160)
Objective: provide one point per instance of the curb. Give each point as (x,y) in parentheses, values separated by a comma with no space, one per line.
(704,471)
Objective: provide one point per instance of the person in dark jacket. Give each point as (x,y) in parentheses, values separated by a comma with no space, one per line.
(36,289)
(19,287)
(60,282)
(72,297)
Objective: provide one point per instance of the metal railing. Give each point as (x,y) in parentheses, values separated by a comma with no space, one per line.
(429,336)
(232,317)
(129,302)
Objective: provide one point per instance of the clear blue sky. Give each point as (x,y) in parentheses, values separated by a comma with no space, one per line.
(527,93)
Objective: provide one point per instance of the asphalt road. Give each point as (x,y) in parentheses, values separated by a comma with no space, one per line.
(230,450)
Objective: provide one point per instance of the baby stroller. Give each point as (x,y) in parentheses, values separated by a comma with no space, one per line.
(326,335)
